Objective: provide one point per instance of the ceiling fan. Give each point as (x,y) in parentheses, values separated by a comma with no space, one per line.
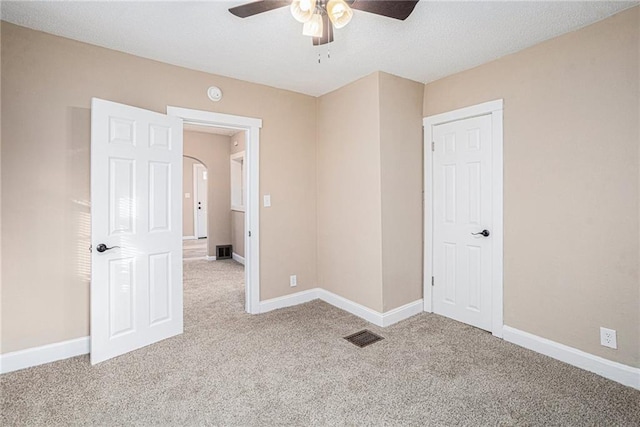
(320,17)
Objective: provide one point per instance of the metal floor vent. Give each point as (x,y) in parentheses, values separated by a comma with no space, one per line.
(363,338)
(224,252)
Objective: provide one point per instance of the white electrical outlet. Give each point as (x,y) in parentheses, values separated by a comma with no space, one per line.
(608,337)
(267,200)
(293,280)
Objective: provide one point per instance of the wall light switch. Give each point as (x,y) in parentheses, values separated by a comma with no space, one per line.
(187,195)
(267,200)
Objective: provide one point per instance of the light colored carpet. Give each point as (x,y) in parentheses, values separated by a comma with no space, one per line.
(292,367)
(194,249)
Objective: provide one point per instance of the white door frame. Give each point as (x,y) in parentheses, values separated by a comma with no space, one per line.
(196,224)
(252,225)
(493,108)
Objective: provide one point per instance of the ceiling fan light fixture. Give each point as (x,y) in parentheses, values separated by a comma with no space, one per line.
(302,10)
(339,12)
(313,27)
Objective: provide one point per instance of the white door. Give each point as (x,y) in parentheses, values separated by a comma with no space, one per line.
(200,200)
(462,211)
(136,227)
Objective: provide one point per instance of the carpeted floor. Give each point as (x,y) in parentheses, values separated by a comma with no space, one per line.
(194,249)
(292,367)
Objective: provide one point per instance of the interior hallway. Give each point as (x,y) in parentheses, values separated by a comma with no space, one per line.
(292,367)
(194,249)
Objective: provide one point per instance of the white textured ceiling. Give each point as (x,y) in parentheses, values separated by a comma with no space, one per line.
(440,37)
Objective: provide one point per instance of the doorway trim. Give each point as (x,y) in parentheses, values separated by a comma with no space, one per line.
(252,224)
(495,110)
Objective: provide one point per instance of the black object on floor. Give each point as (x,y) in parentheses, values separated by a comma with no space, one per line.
(363,338)
(223,252)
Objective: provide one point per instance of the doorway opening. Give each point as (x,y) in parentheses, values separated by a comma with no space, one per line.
(232,178)
(200,209)
(194,207)
(213,214)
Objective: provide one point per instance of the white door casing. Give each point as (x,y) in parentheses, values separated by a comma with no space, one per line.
(136,210)
(463,195)
(252,214)
(200,200)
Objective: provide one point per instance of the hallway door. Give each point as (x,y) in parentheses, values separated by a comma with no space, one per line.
(200,200)
(463,221)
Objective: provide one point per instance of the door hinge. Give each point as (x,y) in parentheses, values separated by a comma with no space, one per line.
(433,146)
(249,233)
(433,281)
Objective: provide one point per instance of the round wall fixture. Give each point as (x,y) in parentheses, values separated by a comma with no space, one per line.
(214,93)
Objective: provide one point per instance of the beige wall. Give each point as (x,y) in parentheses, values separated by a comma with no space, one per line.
(571,218)
(239,139)
(237,217)
(213,151)
(349,217)
(48,83)
(1,347)
(187,204)
(401,186)
(370,191)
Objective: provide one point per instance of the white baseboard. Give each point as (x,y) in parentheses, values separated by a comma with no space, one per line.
(354,308)
(238,258)
(50,353)
(189,238)
(29,357)
(403,312)
(288,300)
(373,316)
(379,319)
(210,258)
(615,371)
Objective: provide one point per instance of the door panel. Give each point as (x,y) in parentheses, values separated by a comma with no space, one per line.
(159,287)
(136,284)
(122,183)
(122,286)
(159,196)
(462,206)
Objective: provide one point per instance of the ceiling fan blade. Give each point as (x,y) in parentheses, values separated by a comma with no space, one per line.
(398,9)
(256,7)
(327,32)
